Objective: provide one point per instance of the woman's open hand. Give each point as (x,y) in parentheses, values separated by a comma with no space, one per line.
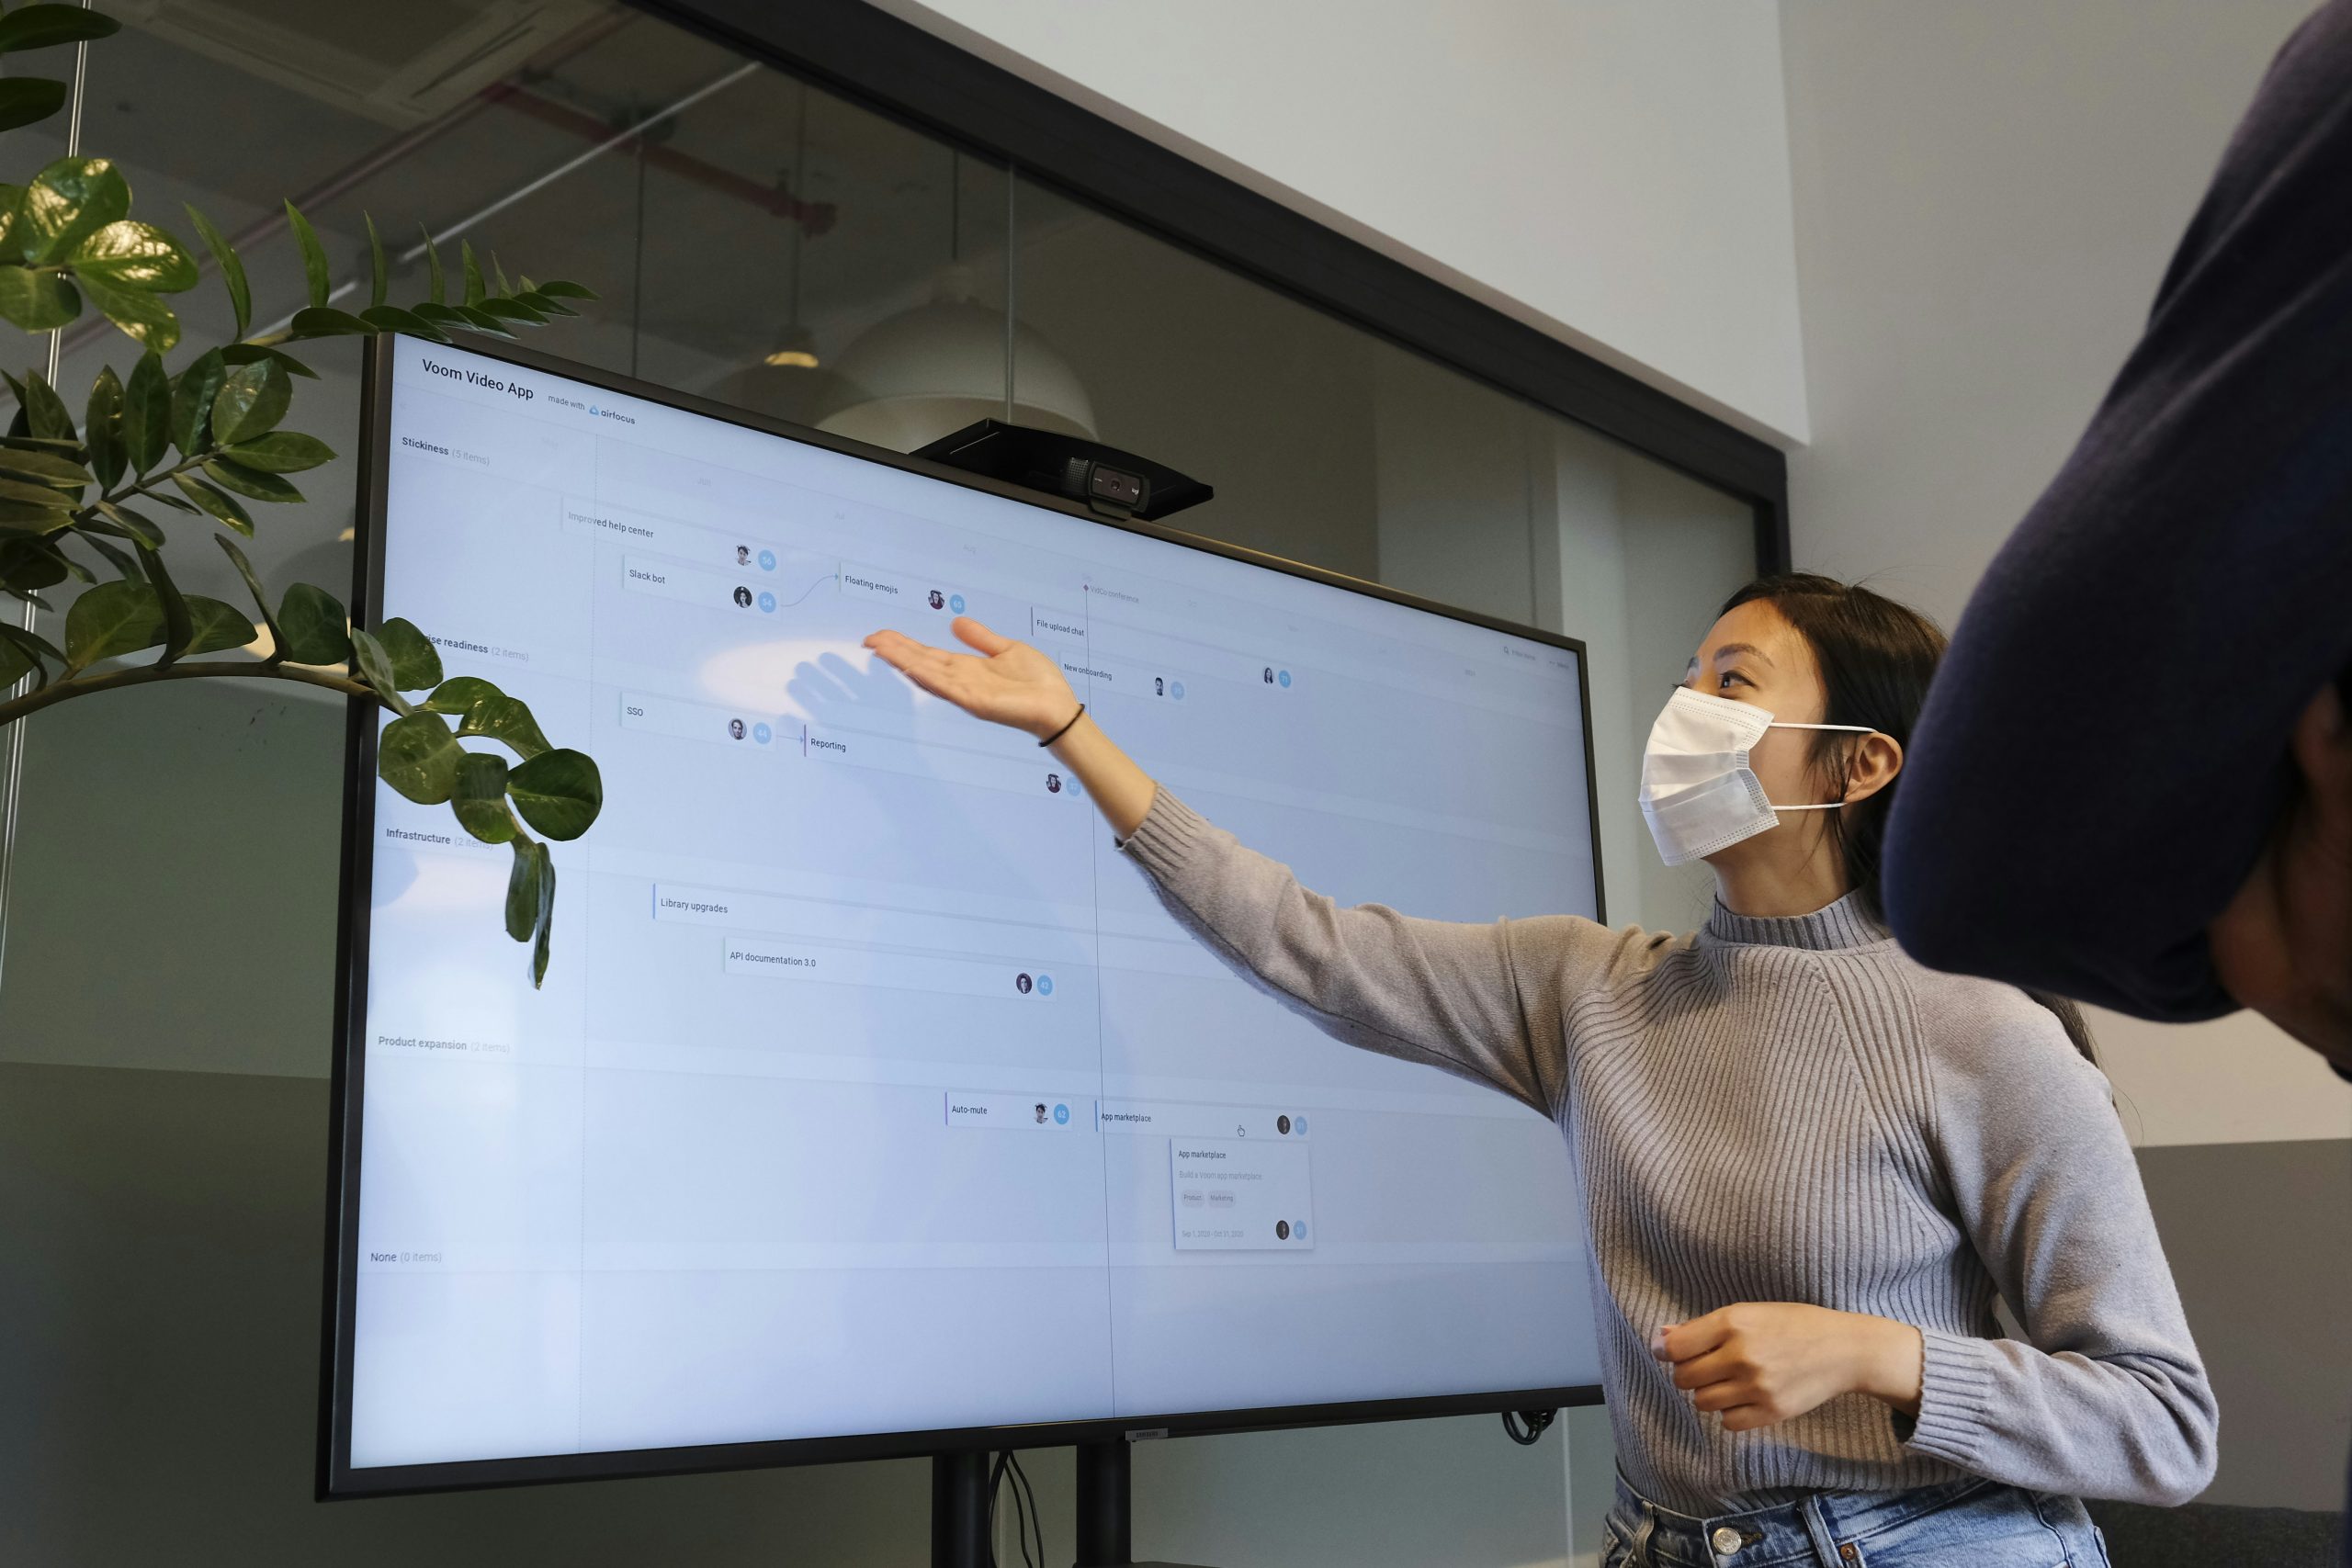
(1759,1363)
(1005,682)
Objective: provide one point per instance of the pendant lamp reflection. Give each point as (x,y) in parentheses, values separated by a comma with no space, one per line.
(926,372)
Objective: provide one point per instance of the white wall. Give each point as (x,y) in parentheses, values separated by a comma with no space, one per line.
(1613,171)
(1985,197)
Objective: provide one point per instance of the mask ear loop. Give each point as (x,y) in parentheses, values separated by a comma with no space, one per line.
(1825,805)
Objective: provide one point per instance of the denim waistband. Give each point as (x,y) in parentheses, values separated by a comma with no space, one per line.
(1807,1531)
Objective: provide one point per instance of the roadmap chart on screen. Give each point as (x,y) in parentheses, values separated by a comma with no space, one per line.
(871,1089)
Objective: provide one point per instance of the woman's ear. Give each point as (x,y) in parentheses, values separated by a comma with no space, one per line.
(1876,761)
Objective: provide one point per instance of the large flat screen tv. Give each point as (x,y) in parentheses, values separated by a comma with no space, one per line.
(873,1105)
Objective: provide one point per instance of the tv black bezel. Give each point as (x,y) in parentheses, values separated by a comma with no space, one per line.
(337,1479)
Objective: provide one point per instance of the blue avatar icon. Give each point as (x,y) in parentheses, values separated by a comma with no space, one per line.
(762,734)
(1284,677)
(956,603)
(1045,985)
(767,602)
(1176,690)
(767,560)
(1061,1115)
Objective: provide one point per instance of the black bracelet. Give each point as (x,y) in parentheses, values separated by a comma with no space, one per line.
(1065,729)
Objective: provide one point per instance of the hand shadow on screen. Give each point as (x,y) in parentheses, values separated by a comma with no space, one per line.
(831,691)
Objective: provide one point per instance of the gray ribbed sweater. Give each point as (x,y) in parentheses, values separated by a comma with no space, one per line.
(1780,1111)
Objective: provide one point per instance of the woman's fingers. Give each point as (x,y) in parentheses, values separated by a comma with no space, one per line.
(978,635)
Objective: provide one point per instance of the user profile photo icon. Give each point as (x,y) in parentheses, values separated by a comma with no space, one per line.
(1045,985)
(767,602)
(1281,1125)
(1285,678)
(743,597)
(956,603)
(735,728)
(1040,1113)
(1282,1230)
(1270,675)
(762,734)
(767,560)
(1061,1115)
(1158,686)
(1052,783)
(743,555)
(1021,983)
(938,600)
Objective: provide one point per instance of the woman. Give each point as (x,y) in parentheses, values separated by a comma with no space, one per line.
(1809,1165)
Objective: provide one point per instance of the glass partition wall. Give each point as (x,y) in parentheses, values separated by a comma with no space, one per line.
(171,885)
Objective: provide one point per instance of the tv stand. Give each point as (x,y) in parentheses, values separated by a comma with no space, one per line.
(959,1508)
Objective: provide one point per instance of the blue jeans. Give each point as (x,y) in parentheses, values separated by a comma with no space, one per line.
(1963,1524)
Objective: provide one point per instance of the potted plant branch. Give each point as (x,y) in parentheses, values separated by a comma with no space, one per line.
(196,447)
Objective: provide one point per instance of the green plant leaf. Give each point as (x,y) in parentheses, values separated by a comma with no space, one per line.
(281,452)
(379,275)
(44,26)
(261,600)
(147,412)
(12,232)
(544,932)
(27,100)
(314,256)
(375,667)
(417,755)
(560,289)
(110,619)
(34,518)
(192,401)
(67,202)
(27,566)
(135,255)
(512,310)
(232,270)
(251,400)
(479,798)
(544,304)
(523,891)
(437,286)
(474,289)
(558,791)
(442,316)
(321,321)
(498,274)
(126,523)
(32,494)
(220,625)
(416,663)
(179,628)
(226,509)
(482,321)
(32,642)
(124,565)
(15,665)
(146,319)
(486,711)
(248,352)
(44,410)
(252,481)
(44,463)
(392,318)
(37,301)
(311,626)
(102,428)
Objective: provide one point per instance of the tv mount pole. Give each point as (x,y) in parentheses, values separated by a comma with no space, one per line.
(959,1508)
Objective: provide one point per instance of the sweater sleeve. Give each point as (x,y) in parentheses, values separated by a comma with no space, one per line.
(2106,1397)
(2106,747)
(1481,1001)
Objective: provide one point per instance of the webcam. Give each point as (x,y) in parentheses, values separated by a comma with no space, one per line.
(1114,484)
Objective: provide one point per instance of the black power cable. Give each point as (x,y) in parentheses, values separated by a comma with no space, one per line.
(1028,1519)
(1527,1427)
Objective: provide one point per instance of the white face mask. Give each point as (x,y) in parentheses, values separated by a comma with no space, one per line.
(1698,792)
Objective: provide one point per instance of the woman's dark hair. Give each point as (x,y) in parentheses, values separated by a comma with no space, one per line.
(1876,659)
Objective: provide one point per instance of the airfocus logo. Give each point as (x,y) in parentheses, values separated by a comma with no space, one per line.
(476,379)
